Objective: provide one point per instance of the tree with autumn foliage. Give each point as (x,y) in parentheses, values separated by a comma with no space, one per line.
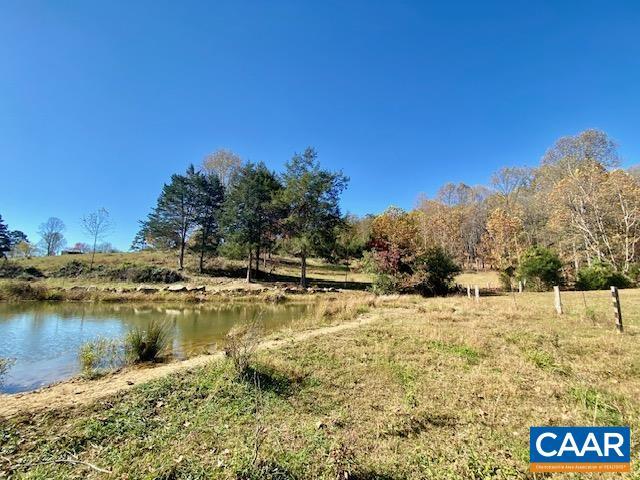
(402,260)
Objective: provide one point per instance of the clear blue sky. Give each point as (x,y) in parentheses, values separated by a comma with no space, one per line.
(100,101)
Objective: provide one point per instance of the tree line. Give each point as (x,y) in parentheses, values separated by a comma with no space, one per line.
(577,205)
(96,226)
(240,209)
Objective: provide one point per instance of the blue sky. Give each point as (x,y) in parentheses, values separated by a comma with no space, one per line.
(100,101)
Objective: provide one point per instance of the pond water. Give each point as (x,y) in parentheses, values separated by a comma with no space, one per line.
(44,338)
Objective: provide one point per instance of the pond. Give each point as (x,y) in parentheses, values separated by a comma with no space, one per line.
(44,338)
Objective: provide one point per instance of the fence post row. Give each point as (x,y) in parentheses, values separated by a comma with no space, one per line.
(617,312)
(558,301)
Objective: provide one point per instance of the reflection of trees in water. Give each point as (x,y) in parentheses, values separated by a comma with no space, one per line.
(192,325)
(53,332)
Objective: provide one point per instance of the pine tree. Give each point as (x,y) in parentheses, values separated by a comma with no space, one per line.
(5,239)
(312,196)
(250,213)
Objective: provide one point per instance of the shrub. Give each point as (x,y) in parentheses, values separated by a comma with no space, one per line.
(506,278)
(382,283)
(147,345)
(434,272)
(600,276)
(541,268)
(13,270)
(429,273)
(241,342)
(144,274)
(74,268)
(100,355)
(634,272)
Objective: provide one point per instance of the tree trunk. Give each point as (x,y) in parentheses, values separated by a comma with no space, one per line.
(303,271)
(257,260)
(202,247)
(181,260)
(249,265)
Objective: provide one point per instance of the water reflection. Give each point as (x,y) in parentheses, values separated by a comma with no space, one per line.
(44,338)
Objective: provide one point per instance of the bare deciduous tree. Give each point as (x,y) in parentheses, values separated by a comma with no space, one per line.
(51,233)
(223,163)
(96,225)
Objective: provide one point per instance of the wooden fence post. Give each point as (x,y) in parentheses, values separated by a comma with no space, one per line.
(617,312)
(477,293)
(558,301)
(468,291)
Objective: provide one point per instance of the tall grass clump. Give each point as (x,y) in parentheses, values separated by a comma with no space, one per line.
(101,355)
(241,343)
(5,365)
(342,309)
(20,290)
(147,345)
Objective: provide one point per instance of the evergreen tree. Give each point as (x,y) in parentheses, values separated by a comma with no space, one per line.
(312,197)
(174,217)
(5,239)
(251,214)
(209,193)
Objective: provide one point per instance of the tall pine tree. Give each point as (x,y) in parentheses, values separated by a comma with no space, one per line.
(312,196)
(251,215)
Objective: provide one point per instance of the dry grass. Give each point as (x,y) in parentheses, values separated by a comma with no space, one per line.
(435,388)
(317,269)
(482,279)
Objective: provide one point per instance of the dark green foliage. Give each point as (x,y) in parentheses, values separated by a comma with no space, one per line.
(600,276)
(506,277)
(541,268)
(251,215)
(434,272)
(209,194)
(189,204)
(174,217)
(5,239)
(144,274)
(311,196)
(74,268)
(16,236)
(13,270)
(147,345)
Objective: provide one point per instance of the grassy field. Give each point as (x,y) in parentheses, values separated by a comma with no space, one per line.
(482,279)
(430,388)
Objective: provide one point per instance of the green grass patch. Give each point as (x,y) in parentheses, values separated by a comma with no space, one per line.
(469,354)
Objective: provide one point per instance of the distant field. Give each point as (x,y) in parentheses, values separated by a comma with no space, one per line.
(482,279)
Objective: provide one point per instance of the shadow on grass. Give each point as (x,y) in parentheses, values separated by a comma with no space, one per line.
(271,380)
(241,273)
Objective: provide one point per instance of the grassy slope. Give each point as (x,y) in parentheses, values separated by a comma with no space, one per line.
(317,269)
(437,388)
